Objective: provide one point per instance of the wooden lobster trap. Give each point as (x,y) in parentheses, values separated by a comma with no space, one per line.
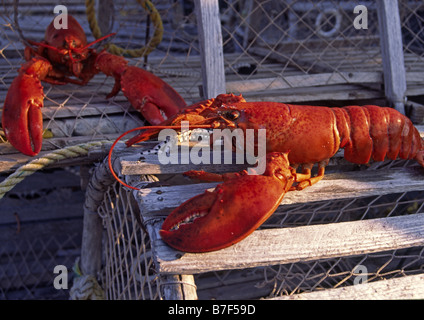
(357,234)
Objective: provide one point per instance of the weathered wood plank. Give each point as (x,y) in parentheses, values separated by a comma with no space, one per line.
(210,39)
(329,93)
(408,287)
(160,200)
(308,80)
(289,245)
(392,52)
(179,287)
(43,197)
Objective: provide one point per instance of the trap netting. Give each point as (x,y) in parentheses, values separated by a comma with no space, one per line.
(75,114)
(297,51)
(411,14)
(129,270)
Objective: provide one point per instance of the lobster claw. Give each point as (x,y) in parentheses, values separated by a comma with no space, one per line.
(218,219)
(22,119)
(146,92)
(156,95)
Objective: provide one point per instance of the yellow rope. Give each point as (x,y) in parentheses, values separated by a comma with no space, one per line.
(27,169)
(114,49)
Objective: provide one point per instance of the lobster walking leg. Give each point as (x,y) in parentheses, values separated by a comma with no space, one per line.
(305,178)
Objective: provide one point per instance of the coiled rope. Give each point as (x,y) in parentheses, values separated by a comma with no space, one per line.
(28,169)
(85,287)
(112,48)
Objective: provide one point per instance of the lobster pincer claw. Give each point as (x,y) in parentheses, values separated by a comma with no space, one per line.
(22,119)
(221,218)
(146,92)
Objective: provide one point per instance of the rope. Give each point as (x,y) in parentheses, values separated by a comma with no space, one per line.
(24,171)
(114,49)
(85,287)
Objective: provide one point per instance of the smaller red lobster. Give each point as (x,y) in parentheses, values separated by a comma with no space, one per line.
(65,57)
(295,136)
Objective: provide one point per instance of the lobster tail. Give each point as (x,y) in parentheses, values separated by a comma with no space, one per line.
(377,133)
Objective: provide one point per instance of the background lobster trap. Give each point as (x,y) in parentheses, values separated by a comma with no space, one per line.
(289,51)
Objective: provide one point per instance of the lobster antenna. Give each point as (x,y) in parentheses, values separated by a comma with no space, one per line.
(42,44)
(96,41)
(45,45)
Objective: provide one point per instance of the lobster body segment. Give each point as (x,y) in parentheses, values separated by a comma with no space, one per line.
(378,133)
(313,134)
(288,125)
(310,133)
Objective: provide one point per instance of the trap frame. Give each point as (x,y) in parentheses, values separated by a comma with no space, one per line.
(328,241)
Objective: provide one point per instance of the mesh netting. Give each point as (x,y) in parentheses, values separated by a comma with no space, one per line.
(129,271)
(411,13)
(301,50)
(41,225)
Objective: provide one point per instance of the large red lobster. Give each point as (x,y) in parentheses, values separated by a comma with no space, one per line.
(295,135)
(64,56)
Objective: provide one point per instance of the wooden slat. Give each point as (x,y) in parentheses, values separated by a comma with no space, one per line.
(392,53)
(43,198)
(408,287)
(306,80)
(210,40)
(289,245)
(160,200)
(321,93)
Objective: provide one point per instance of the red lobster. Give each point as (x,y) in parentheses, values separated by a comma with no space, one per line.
(295,136)
(65,57)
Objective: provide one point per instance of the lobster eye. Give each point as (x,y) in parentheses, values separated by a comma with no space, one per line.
(232,115)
